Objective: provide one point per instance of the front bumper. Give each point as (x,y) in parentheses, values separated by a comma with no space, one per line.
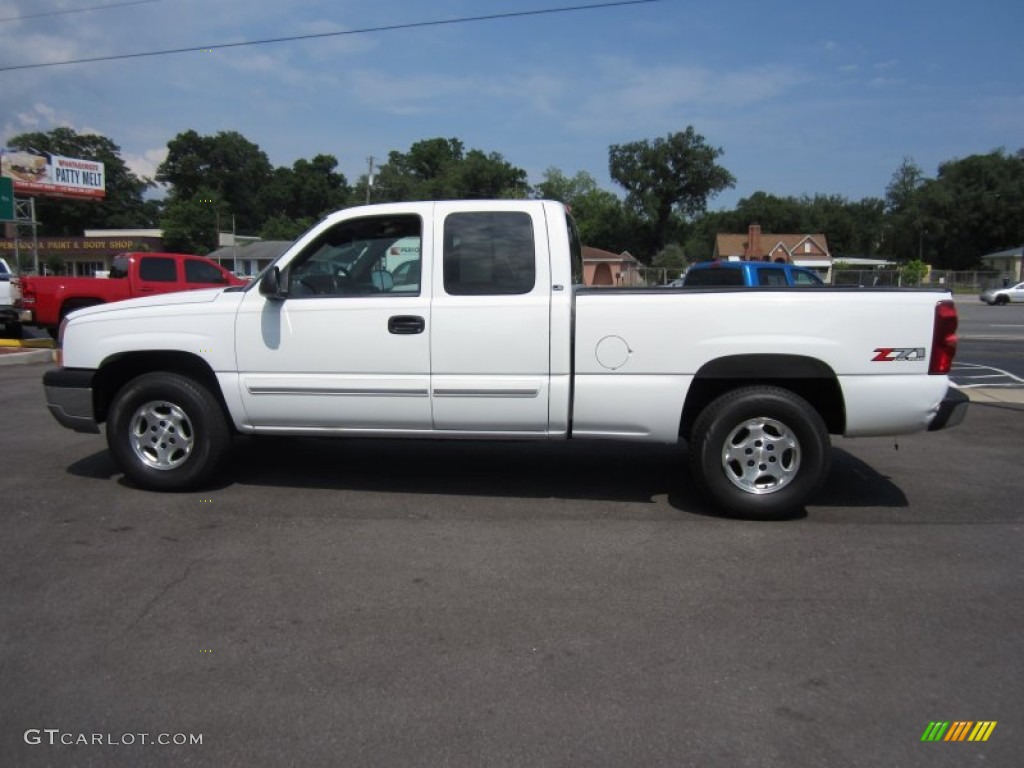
(69,398)
(952,410)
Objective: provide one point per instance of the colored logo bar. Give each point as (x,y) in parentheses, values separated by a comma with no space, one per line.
(959,730)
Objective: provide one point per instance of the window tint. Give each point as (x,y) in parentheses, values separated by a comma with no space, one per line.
(489,253)
(771,276)
(157,269)
(713,276)
(371,255)
(202,272)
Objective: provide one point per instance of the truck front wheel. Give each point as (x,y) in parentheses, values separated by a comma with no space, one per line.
(167,432)
(759,452)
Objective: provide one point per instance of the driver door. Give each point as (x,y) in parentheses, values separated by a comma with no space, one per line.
(346,349)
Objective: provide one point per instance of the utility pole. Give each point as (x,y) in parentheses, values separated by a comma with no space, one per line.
(369,178)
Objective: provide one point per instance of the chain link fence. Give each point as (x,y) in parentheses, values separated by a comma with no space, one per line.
(968,281)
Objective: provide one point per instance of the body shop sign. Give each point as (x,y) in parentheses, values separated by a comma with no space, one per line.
(40,173)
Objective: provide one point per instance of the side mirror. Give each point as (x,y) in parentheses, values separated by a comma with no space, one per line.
(270,284)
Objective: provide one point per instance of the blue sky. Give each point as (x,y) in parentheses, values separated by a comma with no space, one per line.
(804,97)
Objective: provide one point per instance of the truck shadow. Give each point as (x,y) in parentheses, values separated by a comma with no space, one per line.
(577,470)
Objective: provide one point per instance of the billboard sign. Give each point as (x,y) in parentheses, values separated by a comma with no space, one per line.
(46,175)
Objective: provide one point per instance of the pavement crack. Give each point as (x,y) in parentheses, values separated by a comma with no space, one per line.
(148,607)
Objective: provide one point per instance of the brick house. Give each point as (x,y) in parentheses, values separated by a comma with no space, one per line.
(607,268)
(805,250)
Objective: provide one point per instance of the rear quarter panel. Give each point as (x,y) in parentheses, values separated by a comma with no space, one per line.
(664,338)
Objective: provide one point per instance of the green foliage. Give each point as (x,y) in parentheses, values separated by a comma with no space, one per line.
(442,169)
(603,221)
(281,227)
(677,174)
(227,165)
(190,224)
(310,189)
(971,208)
(913,272)
(671,257)
(123,206)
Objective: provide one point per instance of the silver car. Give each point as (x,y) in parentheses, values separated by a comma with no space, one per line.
(1003,295)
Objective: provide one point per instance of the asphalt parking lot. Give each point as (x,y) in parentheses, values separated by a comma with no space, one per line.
(398,603)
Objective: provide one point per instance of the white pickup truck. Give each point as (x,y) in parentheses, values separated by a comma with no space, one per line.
(9,316)
(489,336)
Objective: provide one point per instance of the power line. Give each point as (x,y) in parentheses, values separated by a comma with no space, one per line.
(44,14)
(388,28)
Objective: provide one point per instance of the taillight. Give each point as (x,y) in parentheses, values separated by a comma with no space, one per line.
(22,294)
(943,338)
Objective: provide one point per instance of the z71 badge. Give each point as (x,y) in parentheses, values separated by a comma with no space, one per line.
(905,354)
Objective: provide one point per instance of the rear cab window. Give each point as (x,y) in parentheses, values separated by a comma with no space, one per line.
(489,253)
(771,276)
(158,269)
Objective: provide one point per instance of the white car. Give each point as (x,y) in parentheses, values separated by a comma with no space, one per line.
(1004,295)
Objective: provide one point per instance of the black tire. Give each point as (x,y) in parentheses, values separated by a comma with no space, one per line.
(167,432)
(759,452)
(1002,301)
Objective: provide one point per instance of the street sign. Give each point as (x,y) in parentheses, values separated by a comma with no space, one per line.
(6,199)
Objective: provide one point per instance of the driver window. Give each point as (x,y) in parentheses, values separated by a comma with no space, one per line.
(360,257)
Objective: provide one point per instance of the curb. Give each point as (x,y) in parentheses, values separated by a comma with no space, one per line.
(996,395)
(27,357)
(28,344)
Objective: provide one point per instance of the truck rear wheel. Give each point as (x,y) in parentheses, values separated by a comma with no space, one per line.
(759,452)
(167,432)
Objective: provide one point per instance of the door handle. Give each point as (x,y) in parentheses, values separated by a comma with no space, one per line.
(406,325)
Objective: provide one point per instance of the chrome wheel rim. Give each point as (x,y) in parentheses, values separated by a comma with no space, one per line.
(761,456)
(161,435)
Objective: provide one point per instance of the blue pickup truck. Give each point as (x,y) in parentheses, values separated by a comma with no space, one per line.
(750,274)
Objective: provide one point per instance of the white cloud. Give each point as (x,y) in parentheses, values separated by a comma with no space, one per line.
(634,96)
(408,94)
(145,164)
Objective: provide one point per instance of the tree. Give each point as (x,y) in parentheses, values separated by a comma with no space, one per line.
(227,165)
(281,227)
(123,205)
(309,190)
(906,218)
(973,207)
(190,224)
(676,174)
(602,219)
(441,169)
(672,258)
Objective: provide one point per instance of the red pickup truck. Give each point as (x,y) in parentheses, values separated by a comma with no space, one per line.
(48,299)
